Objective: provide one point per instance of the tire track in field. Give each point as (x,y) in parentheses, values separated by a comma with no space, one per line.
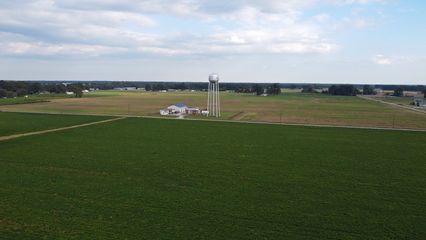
(4,138)
(392,104)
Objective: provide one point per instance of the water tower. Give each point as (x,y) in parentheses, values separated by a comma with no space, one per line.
(213,100)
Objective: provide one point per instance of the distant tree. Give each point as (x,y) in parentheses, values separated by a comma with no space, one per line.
(343,90)
(21,92)
(258,89)
(274,89)
(77,89)
(158,87)
(3,93)
(78,93)
(34,88)
(368,90)
(180,86)
(148,87)
(424,92)
(56,88)
(399,92)
(308,89)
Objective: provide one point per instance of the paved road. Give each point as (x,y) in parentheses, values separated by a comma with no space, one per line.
(3,138)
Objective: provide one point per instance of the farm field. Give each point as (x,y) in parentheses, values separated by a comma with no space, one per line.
(291,107)
(14,123)
(404,101)
(178,179)
(32,99)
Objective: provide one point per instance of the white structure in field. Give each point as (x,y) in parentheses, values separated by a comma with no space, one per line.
(213,99)
(180,109)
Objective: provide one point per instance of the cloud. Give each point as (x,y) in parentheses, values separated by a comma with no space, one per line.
(163,27)
(390,60)
(382,60)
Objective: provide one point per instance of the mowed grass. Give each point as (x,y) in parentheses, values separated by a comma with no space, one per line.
(176,179)
(14,123)
(287,108)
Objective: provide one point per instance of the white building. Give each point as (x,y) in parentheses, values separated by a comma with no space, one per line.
(193,111)
(180,109)
(176,109)
(164,112)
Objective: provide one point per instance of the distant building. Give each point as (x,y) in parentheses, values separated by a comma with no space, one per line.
(411,93)
(193,111)
(180,109)
(69,93)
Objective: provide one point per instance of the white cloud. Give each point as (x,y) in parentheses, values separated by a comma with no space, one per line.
(381,60)
(390,60)
(99,27)
(43,49)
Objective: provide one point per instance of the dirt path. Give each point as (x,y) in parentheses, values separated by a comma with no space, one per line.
(238,116)
(392,104)
(3,138)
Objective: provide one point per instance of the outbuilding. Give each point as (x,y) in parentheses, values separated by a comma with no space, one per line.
(192,111)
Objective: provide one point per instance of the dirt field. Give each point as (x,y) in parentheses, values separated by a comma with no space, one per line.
(287,108)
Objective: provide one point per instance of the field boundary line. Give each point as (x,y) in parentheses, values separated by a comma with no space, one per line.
(9,137)
(392,104)
(294,124)
(232,121)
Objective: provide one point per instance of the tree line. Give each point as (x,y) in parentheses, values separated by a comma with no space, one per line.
(21,88)
(9,89)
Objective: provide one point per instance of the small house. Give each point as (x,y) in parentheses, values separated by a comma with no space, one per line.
(178,108)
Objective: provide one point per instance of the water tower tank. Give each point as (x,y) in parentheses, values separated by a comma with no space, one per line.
(214,77)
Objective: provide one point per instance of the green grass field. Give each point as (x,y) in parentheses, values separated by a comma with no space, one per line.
(404,101)
(32,99)
(290,107)
(13,123)
(170,179)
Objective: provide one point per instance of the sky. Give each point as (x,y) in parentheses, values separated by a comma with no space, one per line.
(287,41)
